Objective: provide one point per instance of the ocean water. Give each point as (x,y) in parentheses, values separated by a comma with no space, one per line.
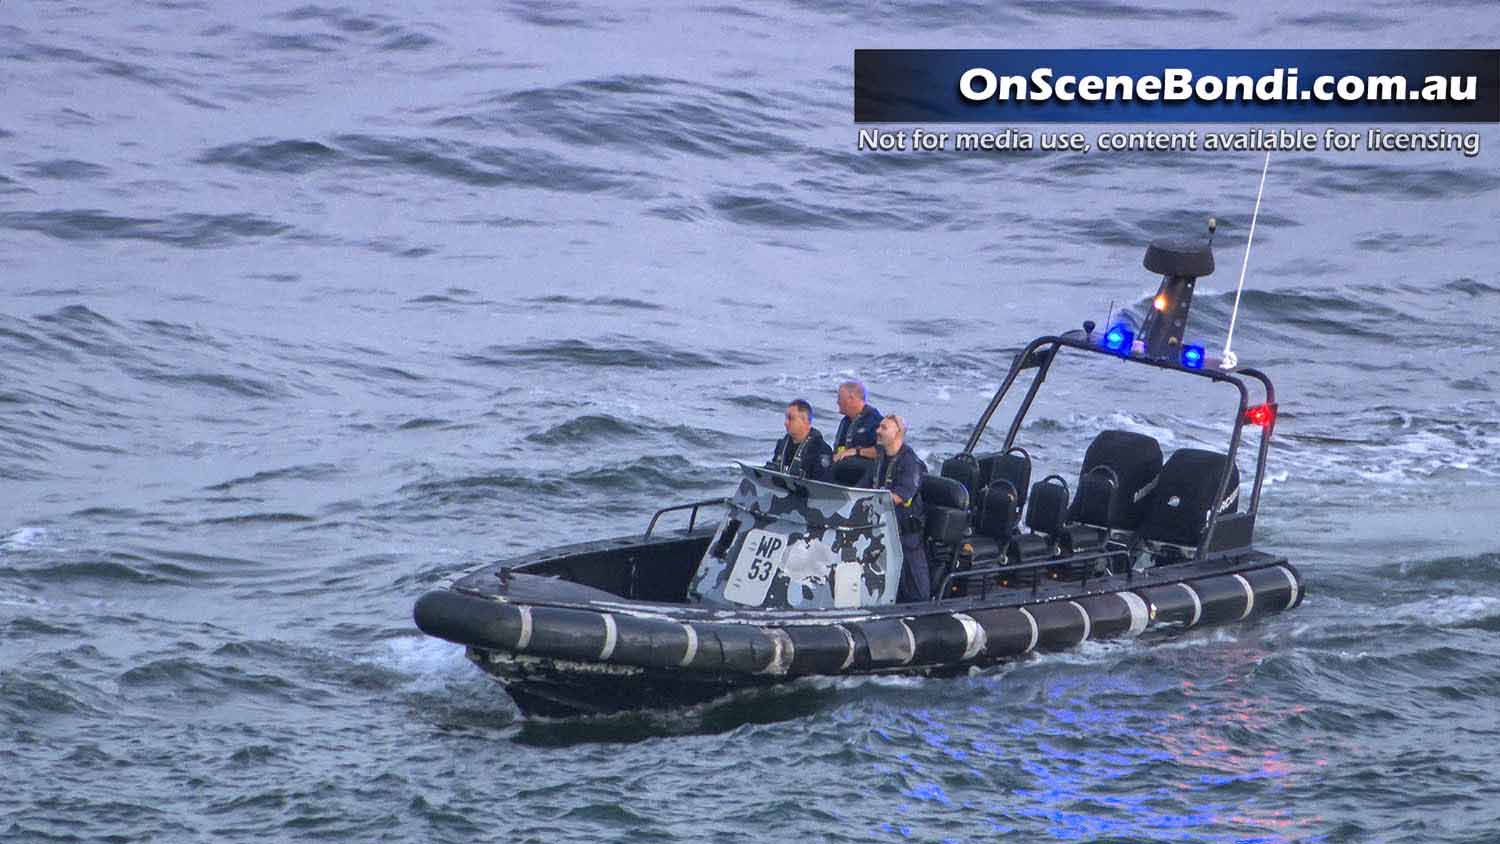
(305,310)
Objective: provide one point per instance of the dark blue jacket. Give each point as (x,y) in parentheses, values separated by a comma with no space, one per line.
(861,433)
(812,460)
(902,474)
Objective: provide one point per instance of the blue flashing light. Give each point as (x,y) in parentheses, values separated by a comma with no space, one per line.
(1118,340)
(1192,357)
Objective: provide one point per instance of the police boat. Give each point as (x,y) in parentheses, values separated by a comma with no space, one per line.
(799,577)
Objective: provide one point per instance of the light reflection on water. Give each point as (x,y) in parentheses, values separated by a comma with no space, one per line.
(1094,751)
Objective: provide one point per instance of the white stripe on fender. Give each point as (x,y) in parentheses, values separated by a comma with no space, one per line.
(1197,604)
(1035,632)
(692,646)
(1140,615)
(525,638)
(848,637)
(911,643)
(974,638)
(1088,623)
(782,651)
(1249,596)
(611,638)
(1292,580)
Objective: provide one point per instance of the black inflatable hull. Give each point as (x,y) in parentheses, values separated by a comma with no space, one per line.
(604,657)
(564,689)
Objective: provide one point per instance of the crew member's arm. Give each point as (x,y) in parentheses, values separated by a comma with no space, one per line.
(865,445)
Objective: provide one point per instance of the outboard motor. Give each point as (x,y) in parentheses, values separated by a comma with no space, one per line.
(1180,263)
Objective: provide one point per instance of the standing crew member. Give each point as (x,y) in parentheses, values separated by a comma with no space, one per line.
(901,471)
(802,453)
(856,435)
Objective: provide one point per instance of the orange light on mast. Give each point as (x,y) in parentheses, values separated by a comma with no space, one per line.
(1161,302)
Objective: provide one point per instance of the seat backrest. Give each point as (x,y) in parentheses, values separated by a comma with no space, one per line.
(1185,496)
(998,511)
(964,468)
(1048,507)
(984,461)
(947,504)
(947,525)
(1097,491)
(1135,460)
(1013,466)
(944,492)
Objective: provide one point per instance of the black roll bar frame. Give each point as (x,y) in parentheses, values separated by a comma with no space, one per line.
(1042,352)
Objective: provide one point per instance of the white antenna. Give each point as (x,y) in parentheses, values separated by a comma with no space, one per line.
(1230,360)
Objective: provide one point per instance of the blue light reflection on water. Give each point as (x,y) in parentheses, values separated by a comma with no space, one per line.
(1087,754)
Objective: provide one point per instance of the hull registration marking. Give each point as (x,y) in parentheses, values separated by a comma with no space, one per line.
(757,565)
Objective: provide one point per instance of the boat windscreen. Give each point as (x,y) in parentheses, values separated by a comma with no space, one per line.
(787,543)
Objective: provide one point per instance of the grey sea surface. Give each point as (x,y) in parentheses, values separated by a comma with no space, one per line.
(306,309)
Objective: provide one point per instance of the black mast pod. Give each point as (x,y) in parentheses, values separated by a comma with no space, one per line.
(1180,263)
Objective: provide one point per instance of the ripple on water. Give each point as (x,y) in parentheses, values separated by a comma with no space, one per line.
(186,230)
(627,354)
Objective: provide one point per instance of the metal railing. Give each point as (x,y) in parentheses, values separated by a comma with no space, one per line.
(692,517)
(1036,569)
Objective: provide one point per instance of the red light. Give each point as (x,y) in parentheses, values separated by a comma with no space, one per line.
(1261,415)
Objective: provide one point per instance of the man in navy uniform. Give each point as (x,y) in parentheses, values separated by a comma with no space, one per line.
(901,471)
(802,453)
(856,435)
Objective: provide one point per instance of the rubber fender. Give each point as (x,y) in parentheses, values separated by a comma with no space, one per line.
(1301,585)
(1007,632)
(1276,588)
(1226,597)
(821,649)
(567,633)
(940,639)
(862,661)
(468,620)
(1174,603)
(1110,615)
(890,640)
(736,648)
(652,642)
(1060,624)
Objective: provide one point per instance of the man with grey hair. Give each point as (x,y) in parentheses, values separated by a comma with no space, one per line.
(856,434)
(900,471)
(802,453)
